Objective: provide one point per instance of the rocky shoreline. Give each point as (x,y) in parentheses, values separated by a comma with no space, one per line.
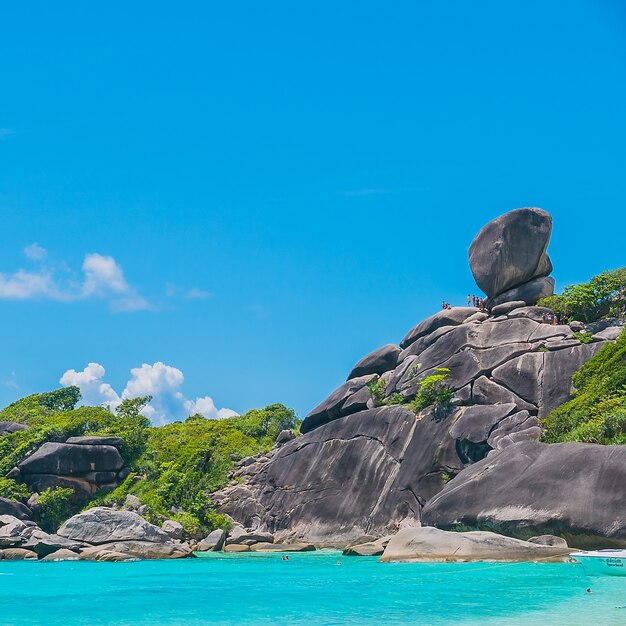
(377,472)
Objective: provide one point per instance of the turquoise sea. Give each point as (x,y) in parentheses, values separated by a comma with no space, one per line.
(309,589)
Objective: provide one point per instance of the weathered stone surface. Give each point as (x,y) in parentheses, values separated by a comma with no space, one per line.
(544,378)
(571,490)
(479,316)
(17,509)
(476,422)
(213,541)
(43,543)
(608,334)
(96,441)
(431,544)
(330,482)
(331,408)
(284,436)
(109,556)
(173,528)
(257,536)
(103,525)
(282,547)
(17,554)
(517,422)
(358,401)
(465,366)
(6,428)
(83,489)
(66,460)
(376,362)
(446,317)
(511,250)
(549,540)
(536,313)
(507,307)
(62,555)
(236,547)
(530,292)
(371,547)
(139,549)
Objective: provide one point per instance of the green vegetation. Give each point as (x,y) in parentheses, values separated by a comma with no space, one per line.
(604,295)
(55,507)
(597,411)
(376,388)
(584,337)
(434,391)
(175,467)
(185,462)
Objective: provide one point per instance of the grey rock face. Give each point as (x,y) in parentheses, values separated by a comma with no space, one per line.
(16,509)
(359,470)
(543,379)
(43,543)
(431,544)
(572,490)
(377,362)
(364,474)
(530,292)
(475,423)
(511,250)
(535,313)
(213,541)
(83,464)
(104,525)
(96,441)
(68,460)
(284,436)
(137,549)
(173,528)
(332,407)
(447,317)
(6,428)
(507,307)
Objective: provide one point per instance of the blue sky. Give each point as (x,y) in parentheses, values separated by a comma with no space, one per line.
(255,195)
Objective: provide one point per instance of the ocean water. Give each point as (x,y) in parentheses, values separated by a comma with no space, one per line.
(309,589)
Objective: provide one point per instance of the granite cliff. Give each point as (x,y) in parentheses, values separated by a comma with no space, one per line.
(368,463)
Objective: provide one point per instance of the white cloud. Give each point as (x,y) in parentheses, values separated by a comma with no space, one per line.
(197,294)
(102,278)
(23,285)
(194,293)
(93,389)
(35,252)
(205,406)
(103,275)
(161,381)
(12,381)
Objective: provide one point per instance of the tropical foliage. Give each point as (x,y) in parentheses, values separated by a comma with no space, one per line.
(175,467)
(597,411)
(604,295)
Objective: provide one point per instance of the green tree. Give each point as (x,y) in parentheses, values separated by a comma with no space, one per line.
(604,295)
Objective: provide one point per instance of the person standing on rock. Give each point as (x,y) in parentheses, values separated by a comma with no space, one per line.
(469,299)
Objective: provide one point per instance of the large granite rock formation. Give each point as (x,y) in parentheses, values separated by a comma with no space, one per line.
(122,532)
(360,468)
(431,544)
(6,428)
(573,490)
(84,464)
(16,509)
(511,250)
(100,534)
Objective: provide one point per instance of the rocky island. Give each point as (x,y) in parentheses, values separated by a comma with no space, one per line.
(430,450)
